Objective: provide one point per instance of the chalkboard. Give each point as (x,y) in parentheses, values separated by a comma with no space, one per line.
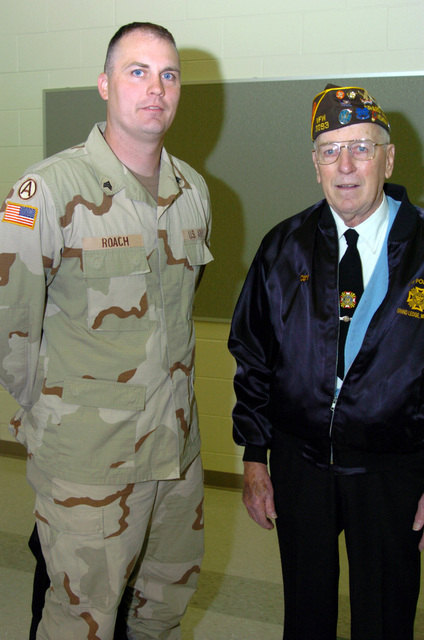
(251,142)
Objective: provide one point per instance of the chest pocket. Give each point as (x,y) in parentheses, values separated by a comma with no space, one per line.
(116,288)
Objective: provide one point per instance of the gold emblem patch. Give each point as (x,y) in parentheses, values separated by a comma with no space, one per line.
(416,299)
(348,300)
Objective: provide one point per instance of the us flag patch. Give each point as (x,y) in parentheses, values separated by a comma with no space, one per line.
(20,214)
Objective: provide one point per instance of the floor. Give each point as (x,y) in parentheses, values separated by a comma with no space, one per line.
(240,589)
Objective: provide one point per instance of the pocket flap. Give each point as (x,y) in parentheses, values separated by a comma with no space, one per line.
(197,252)
(109,263)
(104,394)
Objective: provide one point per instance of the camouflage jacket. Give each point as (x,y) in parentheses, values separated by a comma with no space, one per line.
(96,291)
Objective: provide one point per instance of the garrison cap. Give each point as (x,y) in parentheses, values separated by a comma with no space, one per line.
(337,107)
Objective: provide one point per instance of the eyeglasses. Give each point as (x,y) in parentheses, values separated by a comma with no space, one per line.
(359,150)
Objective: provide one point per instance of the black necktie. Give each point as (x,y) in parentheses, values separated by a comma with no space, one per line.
(351,288)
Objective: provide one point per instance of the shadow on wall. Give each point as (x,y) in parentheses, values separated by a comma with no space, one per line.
(408,154)
(193,137)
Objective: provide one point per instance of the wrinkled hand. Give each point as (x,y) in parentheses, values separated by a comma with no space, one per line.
(258,494)
(419,521)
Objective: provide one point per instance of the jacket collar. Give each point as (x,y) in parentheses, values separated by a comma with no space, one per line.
(403,225)
(406,219)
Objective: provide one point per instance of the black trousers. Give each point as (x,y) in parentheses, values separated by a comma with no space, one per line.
(42,583)
(376,511)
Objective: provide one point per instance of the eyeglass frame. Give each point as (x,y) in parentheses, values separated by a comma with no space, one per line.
(347,146)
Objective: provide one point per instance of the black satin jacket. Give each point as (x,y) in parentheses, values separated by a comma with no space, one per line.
(284,338)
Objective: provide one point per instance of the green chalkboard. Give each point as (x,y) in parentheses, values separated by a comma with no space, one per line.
(251,142)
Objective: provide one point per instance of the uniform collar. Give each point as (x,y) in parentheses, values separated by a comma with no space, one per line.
(113,176)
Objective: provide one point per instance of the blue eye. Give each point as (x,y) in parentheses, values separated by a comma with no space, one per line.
(138,73)
(168,76)
(329,151)
(362,150)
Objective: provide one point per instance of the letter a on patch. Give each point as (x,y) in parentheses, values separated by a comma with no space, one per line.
(20,214)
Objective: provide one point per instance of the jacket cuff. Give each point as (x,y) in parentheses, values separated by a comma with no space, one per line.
(255,454)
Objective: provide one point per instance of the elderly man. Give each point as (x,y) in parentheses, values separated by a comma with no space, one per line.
(328,335)
(100,251)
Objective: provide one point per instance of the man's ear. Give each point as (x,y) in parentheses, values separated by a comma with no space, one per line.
(390,160)
(102,85)
(316,167)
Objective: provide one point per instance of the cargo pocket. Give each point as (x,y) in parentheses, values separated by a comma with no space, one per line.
(74,548)
(98,428)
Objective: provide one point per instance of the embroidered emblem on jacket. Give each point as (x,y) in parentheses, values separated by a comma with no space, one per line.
(416,299)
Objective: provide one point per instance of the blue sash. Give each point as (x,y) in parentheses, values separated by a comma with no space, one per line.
(372,297)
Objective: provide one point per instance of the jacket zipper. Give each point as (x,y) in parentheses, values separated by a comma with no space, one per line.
(333,407)
(337,391)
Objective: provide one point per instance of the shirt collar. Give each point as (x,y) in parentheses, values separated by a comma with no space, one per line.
(371,228)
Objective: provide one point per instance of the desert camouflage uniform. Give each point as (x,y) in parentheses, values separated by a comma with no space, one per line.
(97,343)
(96,543)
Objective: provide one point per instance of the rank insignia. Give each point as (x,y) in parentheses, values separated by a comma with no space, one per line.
(348,300)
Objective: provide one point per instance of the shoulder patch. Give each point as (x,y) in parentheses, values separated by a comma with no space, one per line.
(27,189)
(20,214)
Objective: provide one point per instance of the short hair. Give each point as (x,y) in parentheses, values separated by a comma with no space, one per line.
(155,30)
(382,135)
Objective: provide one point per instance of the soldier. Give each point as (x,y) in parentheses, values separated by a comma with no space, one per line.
(100,250)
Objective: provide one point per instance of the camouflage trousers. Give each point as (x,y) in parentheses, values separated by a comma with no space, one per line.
(142,543)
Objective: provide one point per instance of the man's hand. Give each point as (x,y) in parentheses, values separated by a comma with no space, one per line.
(419,521)
(258,494)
